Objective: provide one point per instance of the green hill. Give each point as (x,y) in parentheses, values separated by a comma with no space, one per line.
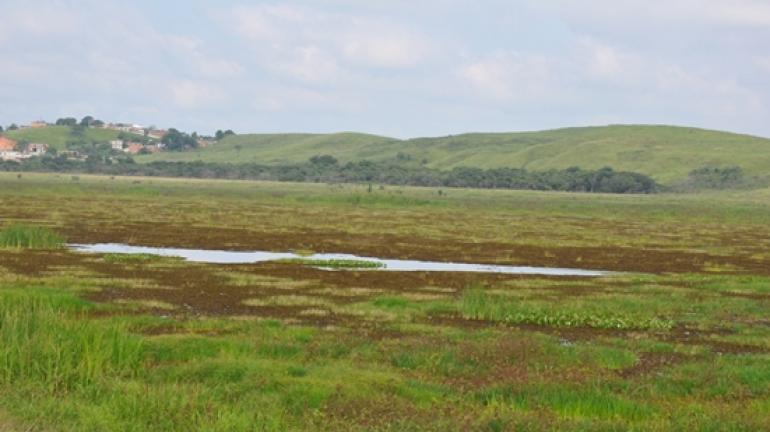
(58,136)
(666,153)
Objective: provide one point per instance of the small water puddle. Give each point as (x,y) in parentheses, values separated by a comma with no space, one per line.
(234,257)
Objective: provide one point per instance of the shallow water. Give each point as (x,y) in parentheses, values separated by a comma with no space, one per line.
(234,257)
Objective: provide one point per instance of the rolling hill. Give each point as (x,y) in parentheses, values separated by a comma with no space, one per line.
(666,153)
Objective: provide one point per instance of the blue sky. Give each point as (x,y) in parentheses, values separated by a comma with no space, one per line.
(398,68)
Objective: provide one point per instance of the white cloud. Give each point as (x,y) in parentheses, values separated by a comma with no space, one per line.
(190,51)
(615,13)
(610,64)
(282,99)
(192,95)
(312,36)
(763,63)
(510,76)
(311,64)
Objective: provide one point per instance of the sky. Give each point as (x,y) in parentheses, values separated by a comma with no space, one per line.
(388,67)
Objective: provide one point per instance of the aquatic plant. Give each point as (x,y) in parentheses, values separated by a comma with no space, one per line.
(130,258)
(335,263)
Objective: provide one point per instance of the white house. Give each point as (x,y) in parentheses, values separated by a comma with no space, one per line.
(36,149)
(13,155)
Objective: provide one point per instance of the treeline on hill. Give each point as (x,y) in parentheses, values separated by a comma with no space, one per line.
(326,169)
(721,178)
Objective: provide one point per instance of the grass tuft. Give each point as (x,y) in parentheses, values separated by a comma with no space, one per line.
(30,237)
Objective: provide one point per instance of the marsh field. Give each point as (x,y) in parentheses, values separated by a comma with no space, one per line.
(677,337)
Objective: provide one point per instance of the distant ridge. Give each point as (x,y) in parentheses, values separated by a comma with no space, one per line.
(666,153)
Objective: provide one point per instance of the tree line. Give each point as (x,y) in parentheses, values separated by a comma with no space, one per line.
(326,169)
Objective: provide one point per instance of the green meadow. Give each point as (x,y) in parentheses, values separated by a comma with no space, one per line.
(676,337)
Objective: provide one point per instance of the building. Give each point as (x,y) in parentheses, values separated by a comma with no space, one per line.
(134,148)
(38,124)
(7,144)
(157,134)
(37,149)
(11,155)
(205,142)
(117,145)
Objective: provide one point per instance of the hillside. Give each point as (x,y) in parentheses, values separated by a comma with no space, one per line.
(667,153)
(286,148)
(58,136)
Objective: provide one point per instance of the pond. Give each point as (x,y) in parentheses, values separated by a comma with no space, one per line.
(380,264)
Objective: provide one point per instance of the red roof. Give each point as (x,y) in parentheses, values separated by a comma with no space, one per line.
(134,148)
(7,143)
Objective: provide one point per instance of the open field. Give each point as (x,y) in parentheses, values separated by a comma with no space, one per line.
(680,340)
(666,153)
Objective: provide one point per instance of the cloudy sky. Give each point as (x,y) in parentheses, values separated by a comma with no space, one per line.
(391,67)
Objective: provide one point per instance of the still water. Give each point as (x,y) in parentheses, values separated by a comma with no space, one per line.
(236,257)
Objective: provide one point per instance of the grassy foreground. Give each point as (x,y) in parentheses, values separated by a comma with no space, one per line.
(90,342)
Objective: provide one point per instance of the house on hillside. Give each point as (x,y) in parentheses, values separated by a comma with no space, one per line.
(117,145)
(205,142)
(38,124)
(12,155)
(122,127)
(7,144)
(157,134)
(134,148)
(8,150)
(37,149)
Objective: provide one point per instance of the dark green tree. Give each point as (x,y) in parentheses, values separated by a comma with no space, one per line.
(175,140)
(67,121)
(223,134)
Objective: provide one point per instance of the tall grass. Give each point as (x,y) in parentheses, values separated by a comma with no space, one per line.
(30,237)
(46,341)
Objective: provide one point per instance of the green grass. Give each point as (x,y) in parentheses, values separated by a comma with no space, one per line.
(30,237)
(89,345)
(477,304)
(46,343)
(58,136)
(131,258)
(666,153)
(335,263)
